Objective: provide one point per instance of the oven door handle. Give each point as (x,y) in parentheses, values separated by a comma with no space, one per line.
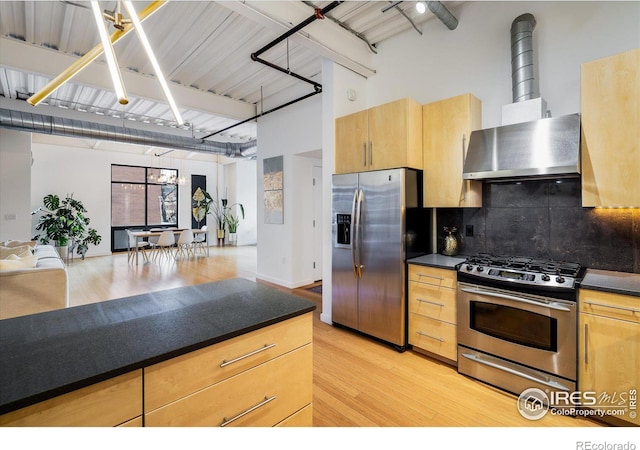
(551,384)
(551,305)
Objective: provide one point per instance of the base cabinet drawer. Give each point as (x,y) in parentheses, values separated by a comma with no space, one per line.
(106,404)
(432,301)
(433,336)
(434,276)
(262,396)
(178,377)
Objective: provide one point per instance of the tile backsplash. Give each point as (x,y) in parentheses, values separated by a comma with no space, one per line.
(545,219)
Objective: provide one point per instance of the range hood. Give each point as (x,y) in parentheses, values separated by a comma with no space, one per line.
(544,148)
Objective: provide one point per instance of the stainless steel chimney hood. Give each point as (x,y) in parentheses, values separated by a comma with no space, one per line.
(544,148)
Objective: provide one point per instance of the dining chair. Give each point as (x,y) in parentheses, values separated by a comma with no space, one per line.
(153,241)
(185,243)
(166,241)
(199,240)
(133,245)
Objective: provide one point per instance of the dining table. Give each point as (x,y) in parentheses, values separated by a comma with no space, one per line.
(141,235)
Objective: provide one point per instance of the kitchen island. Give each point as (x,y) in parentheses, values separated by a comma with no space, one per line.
(107,349)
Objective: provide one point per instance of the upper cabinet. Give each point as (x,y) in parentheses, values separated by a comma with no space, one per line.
(385,137)
(610,104)
(446,126)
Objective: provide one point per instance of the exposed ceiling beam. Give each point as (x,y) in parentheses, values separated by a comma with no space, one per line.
(324,37)
(32,58)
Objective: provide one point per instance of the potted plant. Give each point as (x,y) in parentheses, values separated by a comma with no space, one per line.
(233,221)
(204,203)
(64,222)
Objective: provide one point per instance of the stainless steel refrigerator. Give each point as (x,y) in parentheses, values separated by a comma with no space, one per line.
(378,223)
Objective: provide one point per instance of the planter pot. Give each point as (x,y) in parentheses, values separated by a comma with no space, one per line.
(63,251)
(220,234)
(233,238)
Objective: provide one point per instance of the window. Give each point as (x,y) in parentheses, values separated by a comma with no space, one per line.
(141,198)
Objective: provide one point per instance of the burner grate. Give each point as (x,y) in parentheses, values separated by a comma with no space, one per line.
(547,266)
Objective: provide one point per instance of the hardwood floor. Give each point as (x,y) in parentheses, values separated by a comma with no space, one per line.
(358,382)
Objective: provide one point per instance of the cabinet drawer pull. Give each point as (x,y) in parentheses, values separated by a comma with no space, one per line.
(262,349)
(266,400)
(586,343)
(430,302)
(364,154)
(633,310)
(430,276)
(429,336)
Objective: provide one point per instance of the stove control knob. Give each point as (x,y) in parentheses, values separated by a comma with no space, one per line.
(480,269)
(545,277)
(559,279)
(469,267)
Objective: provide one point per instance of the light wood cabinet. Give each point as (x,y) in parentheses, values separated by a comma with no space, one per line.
(258,379)
(384,137)
(446,127)
(610,116)
(109,403)
(432,311)
(609,350)
(261,396)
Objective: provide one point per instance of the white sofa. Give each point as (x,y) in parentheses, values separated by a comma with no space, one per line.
(36,289)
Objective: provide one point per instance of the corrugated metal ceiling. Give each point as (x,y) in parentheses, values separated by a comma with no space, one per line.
(203,46)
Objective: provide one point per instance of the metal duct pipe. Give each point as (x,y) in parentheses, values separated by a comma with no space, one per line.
(44,124)
(522,68)
(442,13)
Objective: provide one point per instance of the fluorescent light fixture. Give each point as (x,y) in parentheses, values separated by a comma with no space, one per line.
(421,7)
(154,62)
(114,70)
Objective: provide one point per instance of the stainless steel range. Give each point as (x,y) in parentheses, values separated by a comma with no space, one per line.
(517,322)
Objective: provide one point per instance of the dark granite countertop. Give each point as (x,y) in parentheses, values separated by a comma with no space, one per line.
(49,354)
(437,260)
(617,282)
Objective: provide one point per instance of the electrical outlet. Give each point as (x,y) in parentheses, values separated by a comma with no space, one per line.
(468,230)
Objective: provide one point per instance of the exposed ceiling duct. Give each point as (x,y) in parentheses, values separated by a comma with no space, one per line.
(522,68)
(44,124)
(442,13)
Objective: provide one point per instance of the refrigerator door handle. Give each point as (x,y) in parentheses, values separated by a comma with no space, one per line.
(351,231)
(358,231)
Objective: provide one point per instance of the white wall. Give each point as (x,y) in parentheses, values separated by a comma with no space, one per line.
(240,178)
(295,130)
(15,185)
(476,58)
(63,169)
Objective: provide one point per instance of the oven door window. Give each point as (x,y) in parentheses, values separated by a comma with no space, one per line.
(515,325)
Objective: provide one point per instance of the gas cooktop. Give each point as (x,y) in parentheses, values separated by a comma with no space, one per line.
(518,270)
